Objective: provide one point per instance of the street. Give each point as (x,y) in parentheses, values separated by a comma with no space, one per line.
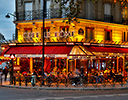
(34,94)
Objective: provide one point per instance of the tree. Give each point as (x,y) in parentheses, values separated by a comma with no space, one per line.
(74,8)
(123,3)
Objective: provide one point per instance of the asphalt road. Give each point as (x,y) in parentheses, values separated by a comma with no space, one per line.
(34,94)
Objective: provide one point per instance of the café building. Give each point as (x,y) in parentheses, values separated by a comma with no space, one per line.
(90,44)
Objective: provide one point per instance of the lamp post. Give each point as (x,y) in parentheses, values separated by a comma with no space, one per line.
(12,56)
(8,15)
(44,2)
(15,16)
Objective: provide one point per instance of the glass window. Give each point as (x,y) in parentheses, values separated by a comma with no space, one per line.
(89,33)
(37,63)
(48,3)
(107,9)
(28,10)
(127,36)
(123,36)
(108,34)
(89,10)
(47,7)
(107,13)
(24,63)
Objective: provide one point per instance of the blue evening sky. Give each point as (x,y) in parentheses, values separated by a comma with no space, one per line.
(7,27)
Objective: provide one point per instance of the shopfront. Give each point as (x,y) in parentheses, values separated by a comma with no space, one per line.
(67,57)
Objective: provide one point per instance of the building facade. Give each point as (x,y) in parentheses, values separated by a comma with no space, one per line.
(97,41)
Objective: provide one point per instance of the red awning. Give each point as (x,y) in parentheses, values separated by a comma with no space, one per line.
(4,51)
(38,50)
(107,49)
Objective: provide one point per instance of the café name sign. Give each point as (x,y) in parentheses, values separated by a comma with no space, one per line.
(81,57)
(78,57)
(30,34)
(47,34)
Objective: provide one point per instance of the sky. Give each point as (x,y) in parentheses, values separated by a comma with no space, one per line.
(7,27)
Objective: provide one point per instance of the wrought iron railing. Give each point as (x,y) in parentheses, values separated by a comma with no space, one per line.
(51,13)
(108,18)
(38,14)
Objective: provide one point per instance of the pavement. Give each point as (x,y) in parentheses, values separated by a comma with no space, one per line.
(99,86)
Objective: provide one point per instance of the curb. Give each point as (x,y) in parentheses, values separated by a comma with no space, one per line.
(58,88)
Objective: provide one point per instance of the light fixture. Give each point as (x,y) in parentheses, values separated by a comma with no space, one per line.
(7,16)
(33,23)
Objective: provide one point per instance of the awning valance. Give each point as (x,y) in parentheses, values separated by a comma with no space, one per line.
(107,49)
(36,50)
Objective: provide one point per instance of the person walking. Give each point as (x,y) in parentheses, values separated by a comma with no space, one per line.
(5,72)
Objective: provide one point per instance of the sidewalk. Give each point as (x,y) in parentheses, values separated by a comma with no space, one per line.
(62,87)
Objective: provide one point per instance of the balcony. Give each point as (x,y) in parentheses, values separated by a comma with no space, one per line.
(52,13)
(38,14)
(108,18)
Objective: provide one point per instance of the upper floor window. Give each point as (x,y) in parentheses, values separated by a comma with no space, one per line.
(123,36)
(47,7)
(28,10)
(65,10)
(108,34)
(107,13)
(107,9)
(127,36)
(89,10)
(125,14)
(47,4)
(89,33)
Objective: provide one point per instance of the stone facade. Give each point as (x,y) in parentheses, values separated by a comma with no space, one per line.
(89,10)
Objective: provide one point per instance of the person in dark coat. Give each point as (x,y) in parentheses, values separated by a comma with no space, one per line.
(5,72)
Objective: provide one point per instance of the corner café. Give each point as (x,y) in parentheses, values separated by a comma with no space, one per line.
(67,45)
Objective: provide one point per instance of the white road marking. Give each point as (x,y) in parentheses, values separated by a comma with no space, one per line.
(77,97)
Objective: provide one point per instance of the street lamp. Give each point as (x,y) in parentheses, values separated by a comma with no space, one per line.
(8,15)
(44,2)
(12,56)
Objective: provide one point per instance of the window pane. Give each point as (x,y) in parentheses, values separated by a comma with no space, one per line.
(89,10)
(107,9)
(28,11)
(28,6)
(41,4)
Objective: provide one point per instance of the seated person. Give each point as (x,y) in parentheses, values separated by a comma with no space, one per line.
(34,72)
(107,73)
(112,74)
(94,75)
(101,73)
(39,72)
(120,75)
(24,73)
